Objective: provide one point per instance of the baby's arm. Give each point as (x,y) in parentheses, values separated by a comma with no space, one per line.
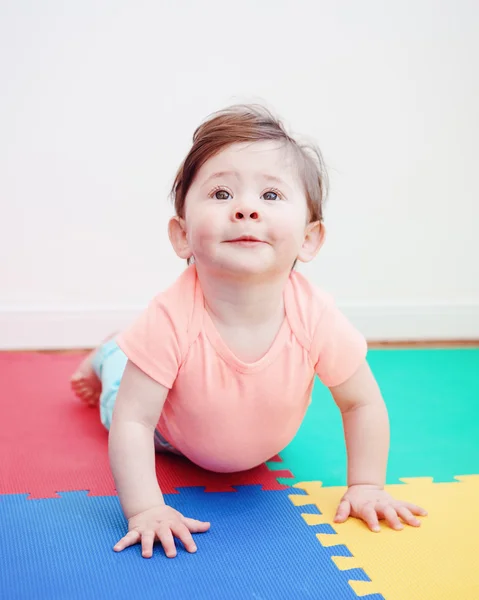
(366,430)
(137,409)
(131,448)
(366,427)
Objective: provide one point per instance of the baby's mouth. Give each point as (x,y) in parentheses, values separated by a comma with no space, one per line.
(245,238)
(246,241)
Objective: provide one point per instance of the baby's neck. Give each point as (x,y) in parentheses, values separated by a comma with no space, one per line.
(243,303)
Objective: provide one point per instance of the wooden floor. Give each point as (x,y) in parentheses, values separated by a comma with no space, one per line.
(427,344)
(373,344)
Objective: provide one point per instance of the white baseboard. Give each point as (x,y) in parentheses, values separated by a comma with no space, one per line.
(84,328)
(60,329)
(416,322)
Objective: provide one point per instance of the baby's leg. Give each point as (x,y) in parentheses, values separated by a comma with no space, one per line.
(106,366)
(85,382)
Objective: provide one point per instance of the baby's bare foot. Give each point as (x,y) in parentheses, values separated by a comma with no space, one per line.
(85,383)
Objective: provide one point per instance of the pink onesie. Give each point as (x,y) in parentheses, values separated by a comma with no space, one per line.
(224,414)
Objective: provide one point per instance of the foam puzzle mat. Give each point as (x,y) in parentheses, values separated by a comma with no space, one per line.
(256,548)
(437,561)
(50,442)
(433,402)
(61,516)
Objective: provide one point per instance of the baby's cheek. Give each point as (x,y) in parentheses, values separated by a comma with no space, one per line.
(287,238)
(202,233)
(208,231)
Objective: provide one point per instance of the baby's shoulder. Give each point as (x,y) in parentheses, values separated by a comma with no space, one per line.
(180,303)
(306,306)
(179,295)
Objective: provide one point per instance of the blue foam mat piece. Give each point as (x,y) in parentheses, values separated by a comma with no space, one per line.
(258,547)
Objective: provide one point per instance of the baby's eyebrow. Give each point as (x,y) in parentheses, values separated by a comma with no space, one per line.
(221,174)
(274,179)
(236,175)
(281,183)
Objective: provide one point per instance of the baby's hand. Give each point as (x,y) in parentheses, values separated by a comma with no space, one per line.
(370,503)
(161,523)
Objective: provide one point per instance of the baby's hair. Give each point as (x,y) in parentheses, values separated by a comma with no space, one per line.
(250,123)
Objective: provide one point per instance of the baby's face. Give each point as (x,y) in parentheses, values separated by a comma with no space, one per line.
(246,210)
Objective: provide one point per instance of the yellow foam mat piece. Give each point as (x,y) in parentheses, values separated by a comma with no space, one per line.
(437,561)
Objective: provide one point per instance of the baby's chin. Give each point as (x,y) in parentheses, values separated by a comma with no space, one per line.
(247,268)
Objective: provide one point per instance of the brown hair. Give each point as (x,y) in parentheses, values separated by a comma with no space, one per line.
(250,123)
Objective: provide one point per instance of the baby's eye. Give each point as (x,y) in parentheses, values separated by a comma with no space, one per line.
(221,195)
(270,195)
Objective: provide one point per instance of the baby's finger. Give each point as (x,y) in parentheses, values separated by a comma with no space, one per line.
(369,515)
(343,512)
(167,541)
(416,510)
(391,517)
(196,526)
(131,538)
(407,516)
(182,532)
(147,541)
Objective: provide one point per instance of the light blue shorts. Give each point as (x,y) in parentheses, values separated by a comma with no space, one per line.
(109,363)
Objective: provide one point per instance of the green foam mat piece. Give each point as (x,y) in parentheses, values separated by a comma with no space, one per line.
(433,402)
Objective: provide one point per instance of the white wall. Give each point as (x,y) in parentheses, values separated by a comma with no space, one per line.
(98,102)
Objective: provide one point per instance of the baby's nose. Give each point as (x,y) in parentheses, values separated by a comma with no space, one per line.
(241,215)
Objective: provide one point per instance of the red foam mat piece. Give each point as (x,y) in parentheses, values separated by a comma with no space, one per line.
(50,442)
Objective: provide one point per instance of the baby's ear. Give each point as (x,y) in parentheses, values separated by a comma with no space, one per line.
(178,238)
(314,235)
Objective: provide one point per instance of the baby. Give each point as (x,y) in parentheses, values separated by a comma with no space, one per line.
(220,366)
